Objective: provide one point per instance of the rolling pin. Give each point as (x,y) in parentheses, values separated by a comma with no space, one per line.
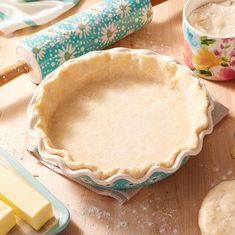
(92,29)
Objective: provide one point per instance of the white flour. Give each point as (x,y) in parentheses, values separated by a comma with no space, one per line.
(217,19)
(148,215)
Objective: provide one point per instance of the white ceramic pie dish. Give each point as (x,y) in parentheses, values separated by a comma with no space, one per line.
(118,180)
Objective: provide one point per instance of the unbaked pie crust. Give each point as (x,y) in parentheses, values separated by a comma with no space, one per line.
(121,112)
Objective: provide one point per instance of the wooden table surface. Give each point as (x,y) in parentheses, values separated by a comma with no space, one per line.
(169,207)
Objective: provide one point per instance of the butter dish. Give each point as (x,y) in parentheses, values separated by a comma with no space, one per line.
(61,214)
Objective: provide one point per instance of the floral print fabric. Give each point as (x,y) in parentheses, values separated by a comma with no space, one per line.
(212,58)
(92,29)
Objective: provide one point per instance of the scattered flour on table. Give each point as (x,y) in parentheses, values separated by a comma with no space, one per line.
(141,226)
(224,177)
(216,169)
(150,224)
(145,207)
(148,214)
(6,141)
(122,224)
(98,213)
(212,184)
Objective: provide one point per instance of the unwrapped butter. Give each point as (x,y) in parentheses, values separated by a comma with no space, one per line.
(27,203)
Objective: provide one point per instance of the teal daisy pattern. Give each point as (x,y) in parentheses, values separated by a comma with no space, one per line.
(92,29)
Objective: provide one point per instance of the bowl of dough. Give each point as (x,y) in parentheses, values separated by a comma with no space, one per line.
(209,38)
(120,118)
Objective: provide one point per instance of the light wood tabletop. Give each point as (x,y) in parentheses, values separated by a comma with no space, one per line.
(169,207)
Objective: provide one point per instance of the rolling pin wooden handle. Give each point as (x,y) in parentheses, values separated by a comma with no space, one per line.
(156,2)
(13,71)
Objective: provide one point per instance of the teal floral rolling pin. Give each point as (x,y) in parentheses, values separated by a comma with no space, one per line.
(208,49)
(95,28)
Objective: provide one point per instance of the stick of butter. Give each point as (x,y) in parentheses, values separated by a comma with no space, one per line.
(27,203)
(7,218)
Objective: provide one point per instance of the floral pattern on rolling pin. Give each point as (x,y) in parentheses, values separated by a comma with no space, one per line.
(92,29)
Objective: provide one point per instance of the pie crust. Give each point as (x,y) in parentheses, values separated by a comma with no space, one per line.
(120,112)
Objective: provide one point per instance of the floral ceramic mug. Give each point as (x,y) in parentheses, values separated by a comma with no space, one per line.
(210,57)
